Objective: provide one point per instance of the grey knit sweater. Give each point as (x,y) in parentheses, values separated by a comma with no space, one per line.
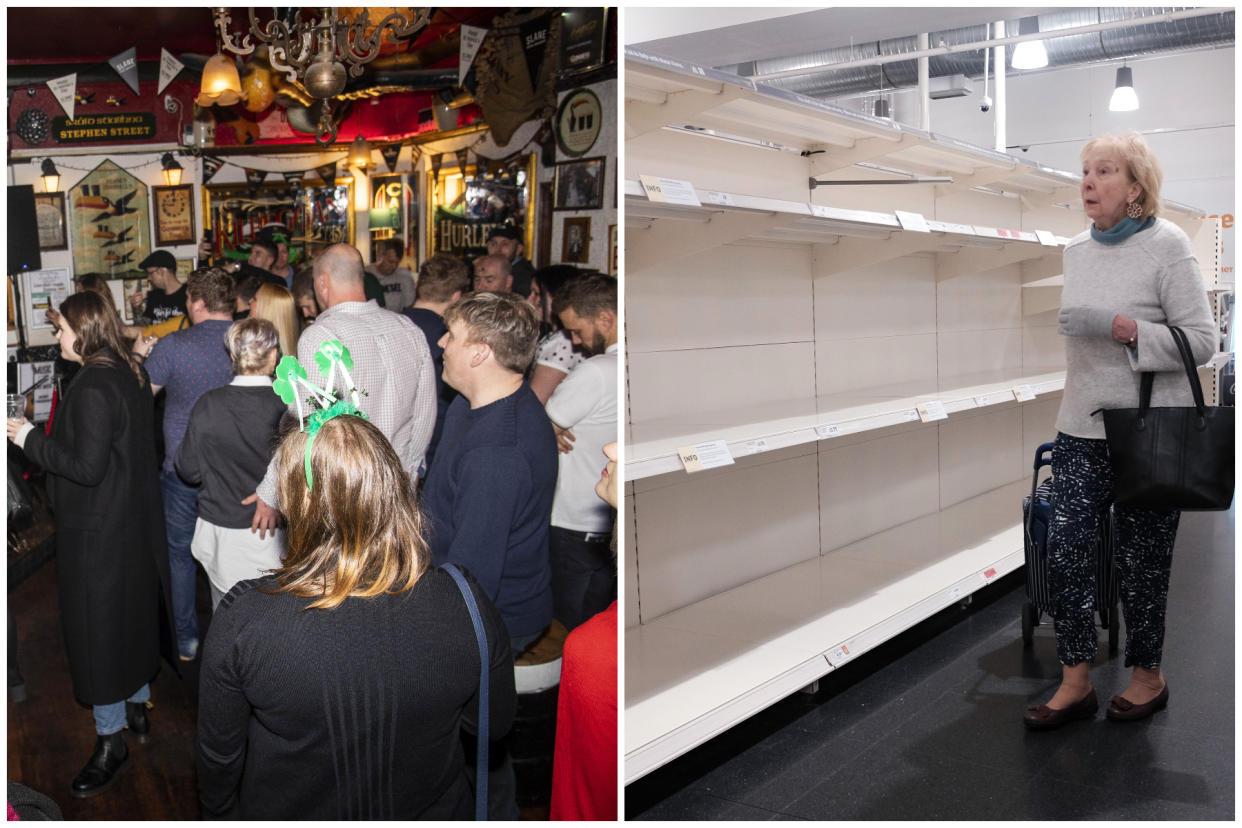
(1151,277)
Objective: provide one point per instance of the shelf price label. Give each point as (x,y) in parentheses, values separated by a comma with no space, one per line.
(716,197)
(1024,393)
(1046,238)
(913,221)
(757,446)
(669,190)
(993,398)
(932,410)
(825,431)
(840,655)
(703,456)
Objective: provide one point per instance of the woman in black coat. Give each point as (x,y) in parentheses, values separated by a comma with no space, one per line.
(111,558)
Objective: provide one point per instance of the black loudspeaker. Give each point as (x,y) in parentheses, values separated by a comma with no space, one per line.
(23,240)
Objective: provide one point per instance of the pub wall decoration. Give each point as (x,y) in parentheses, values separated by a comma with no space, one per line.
(111,222)
(174,214)
(50,215)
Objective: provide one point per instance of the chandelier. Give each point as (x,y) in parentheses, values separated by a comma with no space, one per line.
(317,53)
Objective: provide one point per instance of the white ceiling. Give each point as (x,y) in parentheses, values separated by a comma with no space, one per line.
(723,36)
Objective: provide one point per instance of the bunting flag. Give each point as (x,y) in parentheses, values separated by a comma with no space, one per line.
(169,68)
(436,161)
(535,35)
(63,88)
(255,177)
(463,156)
(294,179)
(327,174)
(483,166)
(390,153)
(471,40)
(211,166)
(126,65)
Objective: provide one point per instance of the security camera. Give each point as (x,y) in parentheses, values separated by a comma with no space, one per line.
(985,104)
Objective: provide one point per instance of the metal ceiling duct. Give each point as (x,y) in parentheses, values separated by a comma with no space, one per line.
(1143,38)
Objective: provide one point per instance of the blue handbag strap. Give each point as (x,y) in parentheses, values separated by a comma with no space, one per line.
(480,789)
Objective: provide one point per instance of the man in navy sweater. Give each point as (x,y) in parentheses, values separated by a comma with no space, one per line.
(488,497)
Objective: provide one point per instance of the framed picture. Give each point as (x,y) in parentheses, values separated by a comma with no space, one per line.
(50,215)
(464,205)
(580,184)
(111,225)
(584,39)
(576,240)
(613,270)
(174,214)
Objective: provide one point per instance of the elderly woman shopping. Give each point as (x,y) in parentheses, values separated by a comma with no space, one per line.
(1126,277)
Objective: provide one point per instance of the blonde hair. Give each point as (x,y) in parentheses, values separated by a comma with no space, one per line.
(250,341)
(359,532)
(276,305)
(1133,151)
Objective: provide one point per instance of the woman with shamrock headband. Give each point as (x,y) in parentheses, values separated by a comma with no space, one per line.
(337,688)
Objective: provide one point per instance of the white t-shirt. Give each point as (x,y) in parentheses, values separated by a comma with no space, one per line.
(585,403)
(398,289)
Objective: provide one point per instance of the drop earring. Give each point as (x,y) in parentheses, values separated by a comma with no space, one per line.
(1134,210)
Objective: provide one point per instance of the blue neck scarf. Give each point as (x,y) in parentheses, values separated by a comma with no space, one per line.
(1121,231)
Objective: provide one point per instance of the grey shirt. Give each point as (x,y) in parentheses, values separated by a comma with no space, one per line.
(1151,277)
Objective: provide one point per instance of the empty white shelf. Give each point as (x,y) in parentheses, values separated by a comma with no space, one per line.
(768,426)
(699,670)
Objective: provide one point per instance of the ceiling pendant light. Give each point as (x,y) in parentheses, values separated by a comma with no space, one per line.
(360,152)
(221,84)
(1124,97)
(1029,54)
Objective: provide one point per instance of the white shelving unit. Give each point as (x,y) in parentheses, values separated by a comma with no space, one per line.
(804,327)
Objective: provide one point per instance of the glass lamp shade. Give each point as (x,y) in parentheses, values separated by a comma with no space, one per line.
(360,153)
(1029,54)
(1124,98)
(221,85)
(51,177)
(172,177)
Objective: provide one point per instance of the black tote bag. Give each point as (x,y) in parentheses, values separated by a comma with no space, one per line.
(1172,458)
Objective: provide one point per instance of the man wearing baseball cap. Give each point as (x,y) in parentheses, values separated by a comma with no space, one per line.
(167,296)
(506,241)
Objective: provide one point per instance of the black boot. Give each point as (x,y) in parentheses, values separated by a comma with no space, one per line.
(101,769)
(136,718)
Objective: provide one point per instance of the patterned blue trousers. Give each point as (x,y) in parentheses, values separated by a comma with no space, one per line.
(1082,490)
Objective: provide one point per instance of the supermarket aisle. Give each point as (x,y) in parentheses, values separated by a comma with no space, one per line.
(929,724)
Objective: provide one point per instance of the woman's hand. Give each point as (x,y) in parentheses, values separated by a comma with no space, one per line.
(1125,331)
(13,427)
(144,344)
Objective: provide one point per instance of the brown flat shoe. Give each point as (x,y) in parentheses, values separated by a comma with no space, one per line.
(1043,717)
(1123,710)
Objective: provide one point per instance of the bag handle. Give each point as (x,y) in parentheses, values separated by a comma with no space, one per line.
(1188,362)
(476,618)
(1040,462)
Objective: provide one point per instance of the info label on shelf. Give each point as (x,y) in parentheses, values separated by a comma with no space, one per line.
(994,398)
(1046,238)
(716,197)
(1024,393)
(669,190)
(913,221)
(825,431)
(932,410)
(702,456)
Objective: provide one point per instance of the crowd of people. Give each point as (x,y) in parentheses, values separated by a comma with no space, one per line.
(322,451)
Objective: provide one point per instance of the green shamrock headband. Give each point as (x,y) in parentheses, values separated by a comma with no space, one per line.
(331,357)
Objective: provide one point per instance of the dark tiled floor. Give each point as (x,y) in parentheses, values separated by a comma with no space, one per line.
(927,725)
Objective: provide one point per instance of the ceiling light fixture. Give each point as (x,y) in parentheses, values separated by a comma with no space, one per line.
(1029,54)
(221,85)
(318,52)
(51,177)
(1124,98)
(172,170)
(360,152)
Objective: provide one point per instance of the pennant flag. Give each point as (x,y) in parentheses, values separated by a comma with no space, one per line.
(535,43)
(390,154)
(294,179)
(436,161)
(64,88)
(471,40)
(169,67)
(484,167)
(463,156)
(255,177)
(211,166)
(126,65)
(327,173)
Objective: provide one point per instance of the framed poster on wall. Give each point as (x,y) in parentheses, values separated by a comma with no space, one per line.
(576,240)
(464,207)
(174,214)
(111,227)
(50,215)
(580,184)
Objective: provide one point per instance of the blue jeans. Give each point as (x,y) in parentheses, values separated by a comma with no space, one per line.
(180,514)
(110,718)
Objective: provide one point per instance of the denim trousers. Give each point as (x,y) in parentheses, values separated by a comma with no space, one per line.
(180,515)
(110,718)
(1082,490)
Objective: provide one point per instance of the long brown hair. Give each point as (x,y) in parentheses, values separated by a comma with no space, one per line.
(358,532)
(98,330)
